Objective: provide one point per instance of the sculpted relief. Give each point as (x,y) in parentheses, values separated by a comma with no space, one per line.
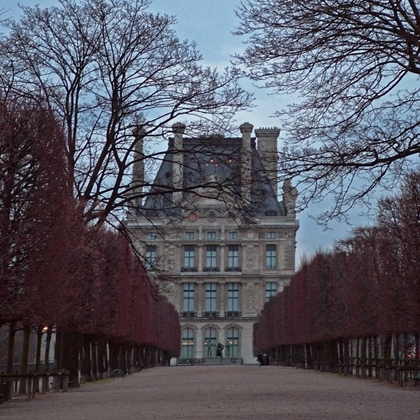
(251,298)
(250,257)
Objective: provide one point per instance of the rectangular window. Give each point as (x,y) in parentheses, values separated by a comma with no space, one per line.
(187,351)
(151,236)
(232,342)
(233,297)
(189,235)
(270,256)
(270,290)
(211,297)
(270,235)
(189,256)
(151,256)
(233,235)
(211,256)
(188,297)
(233,256)
(211,236)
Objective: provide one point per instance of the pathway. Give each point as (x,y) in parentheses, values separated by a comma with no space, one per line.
(223,392)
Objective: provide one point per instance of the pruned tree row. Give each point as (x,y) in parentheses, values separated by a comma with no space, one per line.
(355,309)
(60,275)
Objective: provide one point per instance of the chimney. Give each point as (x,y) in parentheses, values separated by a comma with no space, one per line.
(178,162)
(246,161)
(267,149)
(138,167)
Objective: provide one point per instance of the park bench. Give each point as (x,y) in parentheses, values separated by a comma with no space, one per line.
(117,372)
(345,368)
(406,373)
(5,391)
(416,379)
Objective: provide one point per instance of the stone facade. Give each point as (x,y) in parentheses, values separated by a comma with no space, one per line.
(218,255)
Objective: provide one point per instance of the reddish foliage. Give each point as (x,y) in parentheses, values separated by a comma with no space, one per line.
(367,286)
(35,202)
(54,268)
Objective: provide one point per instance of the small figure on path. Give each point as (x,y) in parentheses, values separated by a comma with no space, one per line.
(260,359)
(266,360)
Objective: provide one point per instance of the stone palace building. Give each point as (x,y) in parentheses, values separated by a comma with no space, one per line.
(215,236)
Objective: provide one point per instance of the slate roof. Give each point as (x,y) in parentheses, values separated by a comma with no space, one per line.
(203,157)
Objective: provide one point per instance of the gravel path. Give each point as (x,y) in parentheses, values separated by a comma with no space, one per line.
(223,392)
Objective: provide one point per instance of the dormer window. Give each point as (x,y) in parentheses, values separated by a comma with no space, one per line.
(233,235)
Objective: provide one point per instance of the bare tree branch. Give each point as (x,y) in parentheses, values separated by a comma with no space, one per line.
(106,67)
(354,67)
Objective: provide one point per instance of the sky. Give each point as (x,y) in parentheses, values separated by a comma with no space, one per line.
(210,24)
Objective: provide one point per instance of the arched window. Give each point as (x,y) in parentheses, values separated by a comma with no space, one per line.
(210,336)
(232,342)
(187,351)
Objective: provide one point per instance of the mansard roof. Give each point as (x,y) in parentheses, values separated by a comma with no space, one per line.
(211,156)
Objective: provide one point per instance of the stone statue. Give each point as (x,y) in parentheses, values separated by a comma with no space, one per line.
(290,195)
(209,348)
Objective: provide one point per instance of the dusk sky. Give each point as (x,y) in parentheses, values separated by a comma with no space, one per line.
(210,24)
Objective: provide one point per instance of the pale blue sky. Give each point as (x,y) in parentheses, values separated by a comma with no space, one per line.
(210,24)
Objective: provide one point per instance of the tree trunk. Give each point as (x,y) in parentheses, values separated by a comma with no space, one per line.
(25,356)
(47,349)
(113,356)
(11,347)
(387,350)
(70,359)
(102,357)
(39,334)
(405,347)
(86,359)
(94,354)
(38,354)
(59,349)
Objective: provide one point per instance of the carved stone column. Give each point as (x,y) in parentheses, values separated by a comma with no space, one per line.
(222,257)
(200,299)
(200,257)
(199,343)
(222,298)
(181,297)
(242,298)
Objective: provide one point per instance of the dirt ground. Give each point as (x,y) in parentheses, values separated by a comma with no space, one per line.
(223,392)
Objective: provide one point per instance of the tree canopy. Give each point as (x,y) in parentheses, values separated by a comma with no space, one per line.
(107,68)
(35,209)
(367,286)
(352,70)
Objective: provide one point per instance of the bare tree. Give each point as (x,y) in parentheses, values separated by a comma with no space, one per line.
(108,67)
(354,66)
